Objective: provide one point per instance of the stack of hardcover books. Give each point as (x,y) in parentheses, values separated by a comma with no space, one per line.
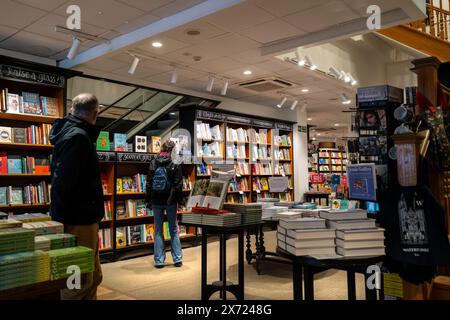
(357,235)
(14,240)
(61,259)
(250,212)
(45,227)
(228,219)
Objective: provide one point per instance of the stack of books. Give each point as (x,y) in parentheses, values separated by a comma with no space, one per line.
(305,205)
(32,217)
(271,213)
(61,259)
(10,223)
(287,204)
(190,217)
(60,240)
(23,268)
(3,216)
(14,240)
(45,227)
(357,235)
(250,212)
(42,243)
(228,219)
(306,237)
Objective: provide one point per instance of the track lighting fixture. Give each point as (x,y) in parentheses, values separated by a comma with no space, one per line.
(294,104)
(224,88)
(300,60)
(74,49)
(309,62)
(303,108)
(346,77)
(345,99)
(335,73)
(209,85)
(174,78)
(353,82)
(134,65)
(280,105)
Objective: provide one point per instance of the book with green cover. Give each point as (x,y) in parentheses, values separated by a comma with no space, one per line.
(103,143)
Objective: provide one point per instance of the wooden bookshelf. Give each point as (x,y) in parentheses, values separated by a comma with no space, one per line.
(26,146)
(25,175)
(328,156)
(24,205)
(28,118)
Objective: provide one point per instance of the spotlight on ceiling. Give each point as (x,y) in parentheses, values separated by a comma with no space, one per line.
(134,65)
(335,73)
(247,72)
(346,77)
(309,119)
(303,108)
(314,138)
(353,82)
(156,44)
(280,105)
(74,49)
(345,99)
(224,88)
(310,63)
(174,78)
(300,60)
(210,84)
(294,104)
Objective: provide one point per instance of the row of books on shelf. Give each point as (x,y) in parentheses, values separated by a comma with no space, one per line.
(282,196)
(34,134)
(29,194)
(236,198)
(13,164)
(261,152)
(187,184)
(212,149)
(108,210)
(283,168)
(236,152)
(283,140)
(262,168)
(261,184)
(238,185)
(28,103)
(332,161)
(241,168)
(205,132)
(333,168)
(203,168)
(136,183)
(237,135)
(120,143)
(327,154)
(132,208)
(282,154)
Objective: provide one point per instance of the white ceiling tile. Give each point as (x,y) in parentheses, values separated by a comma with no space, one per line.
(238,73)
(271,31)
(16,15)
(249,56)
(46,27)
(282,8)
(220,65)
(322,17)
(47,5)
(182,76)
(169,45)
(141,73)
(33,44)
(274,65)
(146,5)
(237,93)
(105,13)
(175,7)
(6,32)
(107,65)
(239,17)
(136,23)
(196,85)
(207,31)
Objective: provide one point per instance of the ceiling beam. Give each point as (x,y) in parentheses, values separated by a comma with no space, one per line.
(132,38)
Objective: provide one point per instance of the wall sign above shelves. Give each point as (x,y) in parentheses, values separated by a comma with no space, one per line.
(31,76)
(134,157)
(106,156)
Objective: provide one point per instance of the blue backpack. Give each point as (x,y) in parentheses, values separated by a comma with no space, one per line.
(160,181)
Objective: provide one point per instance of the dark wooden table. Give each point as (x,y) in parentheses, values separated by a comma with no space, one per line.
(311,196)
(310,266)
(222,285)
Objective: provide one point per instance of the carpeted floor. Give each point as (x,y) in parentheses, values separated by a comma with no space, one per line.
(138,279)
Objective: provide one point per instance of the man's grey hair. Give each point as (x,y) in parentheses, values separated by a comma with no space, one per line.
(84,104)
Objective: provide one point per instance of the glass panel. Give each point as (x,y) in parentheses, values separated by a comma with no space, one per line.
(135,99)
(157,102)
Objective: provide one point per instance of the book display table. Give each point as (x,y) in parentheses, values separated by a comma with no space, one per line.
(223,285)
(312,196)
(310,266)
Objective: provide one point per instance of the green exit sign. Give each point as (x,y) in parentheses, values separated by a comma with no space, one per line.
(303,129)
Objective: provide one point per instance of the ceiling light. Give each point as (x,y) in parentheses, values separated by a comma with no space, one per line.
(172,113)
(280,105)
(335,73)
(247,72)
(156,44)
(305,90)
(174,77)
(303,109)
(224,88)
(74,49)
(309,62)
(353,82)
(210,84)
(309,119)
(133,66)
(318,134)
(314,138)
(294,104)
(346,77)
(336,124)
(300,60)
(345,99)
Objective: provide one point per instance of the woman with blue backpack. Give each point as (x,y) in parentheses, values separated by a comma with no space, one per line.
(164,190)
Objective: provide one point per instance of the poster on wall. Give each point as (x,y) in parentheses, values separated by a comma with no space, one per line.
(317,178)
(362,182)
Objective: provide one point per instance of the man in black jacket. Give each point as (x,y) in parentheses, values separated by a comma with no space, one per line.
(77,193)
(164,187)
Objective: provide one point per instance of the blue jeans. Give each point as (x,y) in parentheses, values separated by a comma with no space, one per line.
(159,247)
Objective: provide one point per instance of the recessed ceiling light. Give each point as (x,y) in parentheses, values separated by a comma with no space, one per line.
(192,32)
(314,138)
(100,12)
(247,72)
(156,44)
(336,124)
(172,113)
(309,119)
(305,90)
(318,134)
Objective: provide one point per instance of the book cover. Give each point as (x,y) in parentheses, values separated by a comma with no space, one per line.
(140,144)
(42,165)
(135,234)
(3,163)
(16,195)
(31,103)
(19,135)
(13,103)
(103,143)
(51,106)
(156,144)
(14,165)
(121,211)
(149,233)
(120,142)
(3,195)
(5,135)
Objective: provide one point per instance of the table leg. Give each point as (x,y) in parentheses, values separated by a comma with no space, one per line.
(241,265)
(204,265)
(309,283)
(261,241)
(258,251)
(248,252)
(297,280)
(351,286)
(223,250)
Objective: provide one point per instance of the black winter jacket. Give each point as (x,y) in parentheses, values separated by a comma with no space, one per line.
(175,176)
(77,193)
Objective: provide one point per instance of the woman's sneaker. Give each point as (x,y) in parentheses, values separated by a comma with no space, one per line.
(178,264)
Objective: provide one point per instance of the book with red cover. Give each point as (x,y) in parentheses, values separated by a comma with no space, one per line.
(3,163)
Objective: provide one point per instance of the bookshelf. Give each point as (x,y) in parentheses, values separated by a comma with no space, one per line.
(128,216)
(331,161)
(32,97)
(256,146)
